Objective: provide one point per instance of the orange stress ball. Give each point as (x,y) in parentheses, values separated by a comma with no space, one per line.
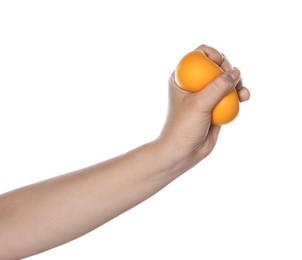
(195,71)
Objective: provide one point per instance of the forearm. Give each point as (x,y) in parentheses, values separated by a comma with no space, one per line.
(47,214)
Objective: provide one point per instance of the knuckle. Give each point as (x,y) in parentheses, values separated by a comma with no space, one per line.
(202,47)
(224,82)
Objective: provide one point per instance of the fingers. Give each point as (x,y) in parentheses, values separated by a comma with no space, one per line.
(226,65)
(243,94)
(217,89)
(223,62)
(212,53)
(219,58)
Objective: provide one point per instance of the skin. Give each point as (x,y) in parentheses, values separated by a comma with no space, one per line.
(47,214)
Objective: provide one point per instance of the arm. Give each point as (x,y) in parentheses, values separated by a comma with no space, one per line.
(44,215)
(47,214)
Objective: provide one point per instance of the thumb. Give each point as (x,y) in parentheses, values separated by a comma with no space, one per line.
(218,88)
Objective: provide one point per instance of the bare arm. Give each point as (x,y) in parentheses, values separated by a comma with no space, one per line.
(44,215)
(47,214)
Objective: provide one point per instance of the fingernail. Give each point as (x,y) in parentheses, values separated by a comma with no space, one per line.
(235,73)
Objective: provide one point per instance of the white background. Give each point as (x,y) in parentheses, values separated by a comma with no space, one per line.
(83,81)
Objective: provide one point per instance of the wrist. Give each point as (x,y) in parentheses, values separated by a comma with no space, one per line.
(174,159)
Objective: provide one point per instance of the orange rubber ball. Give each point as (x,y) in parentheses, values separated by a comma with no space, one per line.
(194,72)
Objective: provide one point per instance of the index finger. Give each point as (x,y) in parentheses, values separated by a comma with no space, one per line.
(219,58)
(212,53)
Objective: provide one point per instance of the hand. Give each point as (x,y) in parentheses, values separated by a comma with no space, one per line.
(188,134)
